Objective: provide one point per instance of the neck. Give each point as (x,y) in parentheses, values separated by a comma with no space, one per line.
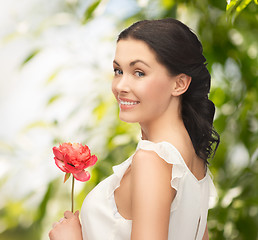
(162,128)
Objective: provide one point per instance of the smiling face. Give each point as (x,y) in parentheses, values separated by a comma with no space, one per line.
(141,85)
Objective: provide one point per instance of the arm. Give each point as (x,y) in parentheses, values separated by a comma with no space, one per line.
(67,228)
(206,234)
(152,196)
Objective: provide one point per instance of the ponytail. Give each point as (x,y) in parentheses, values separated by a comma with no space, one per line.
(198,113)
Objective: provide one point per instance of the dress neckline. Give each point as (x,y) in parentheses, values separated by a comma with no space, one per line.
(181,158)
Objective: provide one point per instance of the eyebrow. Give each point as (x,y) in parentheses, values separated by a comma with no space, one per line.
(133,63)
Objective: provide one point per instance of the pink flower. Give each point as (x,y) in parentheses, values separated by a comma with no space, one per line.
(74,158)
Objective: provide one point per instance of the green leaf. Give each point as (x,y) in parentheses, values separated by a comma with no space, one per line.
(234,7)
(30,56)
(243,5)
(232,4)
(53,75)
(53,98)
(88,14)
(67,175)
(168,3)
(36,124)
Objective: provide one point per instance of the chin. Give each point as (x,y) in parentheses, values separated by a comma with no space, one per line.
(128,119)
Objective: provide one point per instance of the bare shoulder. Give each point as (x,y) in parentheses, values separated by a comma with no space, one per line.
(152,195)
(151,173)
(148,166)
(147,158)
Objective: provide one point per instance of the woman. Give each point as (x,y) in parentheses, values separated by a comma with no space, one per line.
(164,189)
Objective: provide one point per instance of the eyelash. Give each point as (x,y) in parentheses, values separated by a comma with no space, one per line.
(141,74)
(118,71)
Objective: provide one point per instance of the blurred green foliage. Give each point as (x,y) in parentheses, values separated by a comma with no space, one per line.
(228,33)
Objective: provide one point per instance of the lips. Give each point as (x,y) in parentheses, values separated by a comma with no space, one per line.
(126,101)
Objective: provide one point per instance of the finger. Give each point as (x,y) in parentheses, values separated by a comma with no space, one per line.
(76,214)
(68,214)
(61,220)
(54,224)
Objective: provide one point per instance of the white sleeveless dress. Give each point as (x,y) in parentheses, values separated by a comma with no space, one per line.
(188,215)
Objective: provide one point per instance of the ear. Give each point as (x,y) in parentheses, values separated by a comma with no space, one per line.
(181,84)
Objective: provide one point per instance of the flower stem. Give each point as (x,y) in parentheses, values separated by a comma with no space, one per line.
(72,194)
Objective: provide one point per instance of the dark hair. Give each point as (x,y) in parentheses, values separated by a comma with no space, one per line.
(180,51)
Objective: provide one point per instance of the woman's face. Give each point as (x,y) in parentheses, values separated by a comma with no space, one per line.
(141,85)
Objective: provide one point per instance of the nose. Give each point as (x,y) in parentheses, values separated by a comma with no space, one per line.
(122,84)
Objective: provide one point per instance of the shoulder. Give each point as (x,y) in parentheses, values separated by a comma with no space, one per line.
(151,172)
(150,187)
(149,160)
(151,175)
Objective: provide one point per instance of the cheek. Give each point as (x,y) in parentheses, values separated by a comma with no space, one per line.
(113,88)
(156,90)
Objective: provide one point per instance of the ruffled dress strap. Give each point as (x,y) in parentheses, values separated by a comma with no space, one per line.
(213,196)
(119,171)
(171,155)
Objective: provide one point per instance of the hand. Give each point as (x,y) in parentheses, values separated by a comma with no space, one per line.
(67,228)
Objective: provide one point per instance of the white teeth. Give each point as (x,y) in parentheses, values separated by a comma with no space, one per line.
(128,103)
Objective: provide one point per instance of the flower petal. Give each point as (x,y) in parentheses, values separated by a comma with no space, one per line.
(60,164)
(69,166)
(58,154)
(92,161)
(82,176)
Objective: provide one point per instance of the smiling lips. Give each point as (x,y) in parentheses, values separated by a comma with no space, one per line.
(127,104)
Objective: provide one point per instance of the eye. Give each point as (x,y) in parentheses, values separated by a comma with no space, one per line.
(139,74)
(118,71)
